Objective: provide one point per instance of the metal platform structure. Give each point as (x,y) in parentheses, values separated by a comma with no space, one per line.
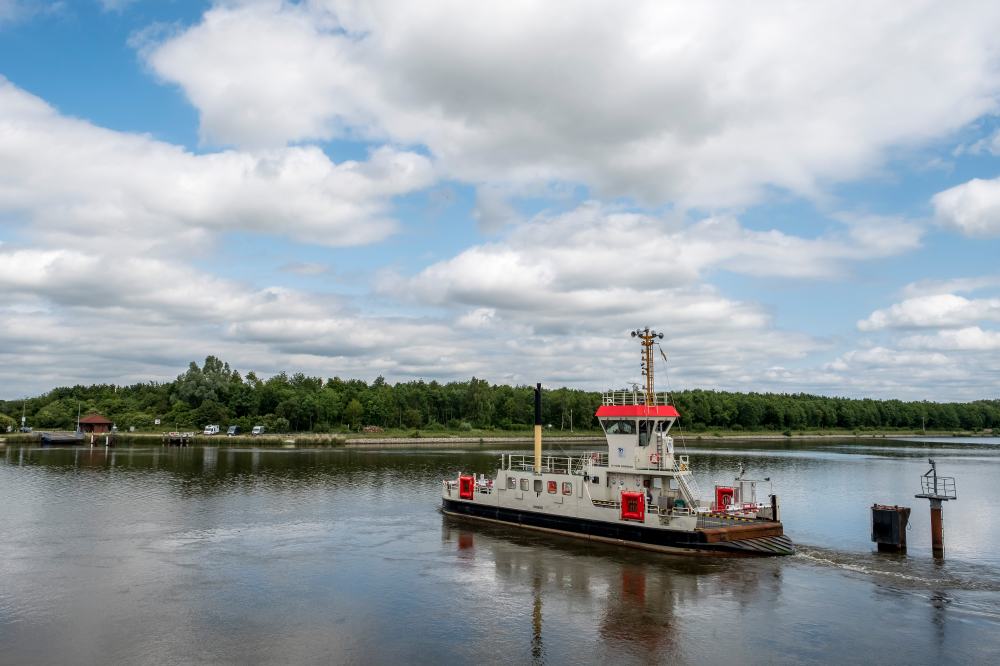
(934,487)
(937,489)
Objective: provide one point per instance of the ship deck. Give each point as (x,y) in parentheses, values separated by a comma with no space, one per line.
(714,520)
(753,536)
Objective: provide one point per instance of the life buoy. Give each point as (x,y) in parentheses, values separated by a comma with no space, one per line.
(654,458)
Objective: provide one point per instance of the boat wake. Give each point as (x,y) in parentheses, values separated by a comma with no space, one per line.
(950,586)
(904,572)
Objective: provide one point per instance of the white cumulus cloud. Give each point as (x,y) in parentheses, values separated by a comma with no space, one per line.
(77,316)
(972,208)
(70,178)
(574,261)
(705,104)
(933,311)
(954,285)
(972,338)
(598,271)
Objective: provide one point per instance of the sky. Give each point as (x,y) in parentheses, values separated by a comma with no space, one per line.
(803,197)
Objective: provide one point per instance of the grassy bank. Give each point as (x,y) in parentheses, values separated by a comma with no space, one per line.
(401,437)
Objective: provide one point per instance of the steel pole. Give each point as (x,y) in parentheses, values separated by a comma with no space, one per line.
(937,536)
(538,428)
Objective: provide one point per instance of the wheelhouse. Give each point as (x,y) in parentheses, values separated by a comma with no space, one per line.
(636,432)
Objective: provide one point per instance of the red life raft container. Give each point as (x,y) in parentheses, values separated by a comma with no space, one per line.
(724,496)
(466,487)
(633,506)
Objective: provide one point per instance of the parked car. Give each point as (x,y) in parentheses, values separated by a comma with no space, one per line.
(257,430)
(233,431)
(211,430)
(25,428)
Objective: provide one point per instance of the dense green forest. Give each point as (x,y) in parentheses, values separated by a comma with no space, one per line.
(215,393)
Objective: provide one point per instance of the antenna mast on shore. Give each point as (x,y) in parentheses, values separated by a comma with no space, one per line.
(647,338)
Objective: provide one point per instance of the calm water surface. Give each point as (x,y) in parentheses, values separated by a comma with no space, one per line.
(214,555)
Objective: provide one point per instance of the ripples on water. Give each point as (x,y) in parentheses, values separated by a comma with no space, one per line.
(247,556)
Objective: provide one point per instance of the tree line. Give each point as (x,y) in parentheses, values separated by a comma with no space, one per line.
(217,394)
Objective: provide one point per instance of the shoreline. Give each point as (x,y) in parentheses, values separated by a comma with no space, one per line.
(699,438)
(463,441)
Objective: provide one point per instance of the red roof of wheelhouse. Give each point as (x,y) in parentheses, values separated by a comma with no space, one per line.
(643,411)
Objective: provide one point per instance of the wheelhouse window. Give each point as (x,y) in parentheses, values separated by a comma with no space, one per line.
(645,429)
(619,427)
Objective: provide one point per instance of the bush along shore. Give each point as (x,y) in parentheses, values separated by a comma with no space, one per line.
(484,439)
(214,393)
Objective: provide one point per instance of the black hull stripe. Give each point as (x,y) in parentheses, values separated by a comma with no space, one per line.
(636,536)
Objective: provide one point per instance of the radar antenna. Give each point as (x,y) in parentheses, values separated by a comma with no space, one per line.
(647,338)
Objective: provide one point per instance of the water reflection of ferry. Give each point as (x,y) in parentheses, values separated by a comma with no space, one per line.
(638,492)
(642,610)
(634,605)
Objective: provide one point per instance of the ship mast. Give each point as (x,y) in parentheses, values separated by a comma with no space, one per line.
(647,338)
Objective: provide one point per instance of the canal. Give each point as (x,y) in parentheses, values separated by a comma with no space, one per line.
(214,555)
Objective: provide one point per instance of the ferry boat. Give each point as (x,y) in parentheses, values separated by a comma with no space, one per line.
(638,492)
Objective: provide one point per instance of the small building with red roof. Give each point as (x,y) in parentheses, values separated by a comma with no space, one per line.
(95,423)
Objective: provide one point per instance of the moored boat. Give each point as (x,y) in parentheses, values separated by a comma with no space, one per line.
(60,438)
(639,492)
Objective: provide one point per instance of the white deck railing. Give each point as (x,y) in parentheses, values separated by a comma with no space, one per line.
(629,398)
(554,464)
